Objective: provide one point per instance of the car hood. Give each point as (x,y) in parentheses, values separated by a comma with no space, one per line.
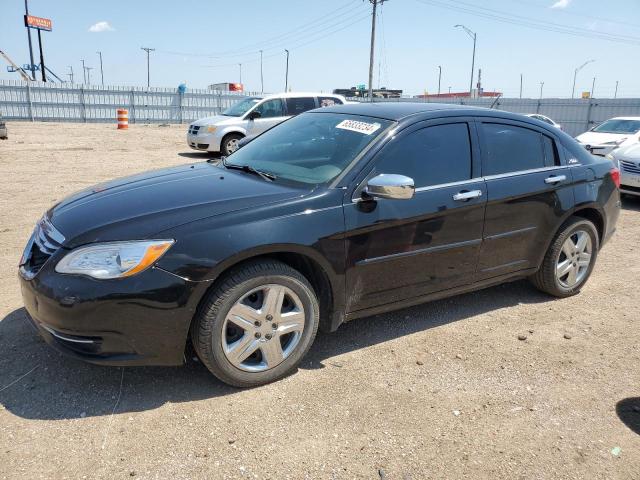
(632,152)
(216,120)
(596,138)
(140,206)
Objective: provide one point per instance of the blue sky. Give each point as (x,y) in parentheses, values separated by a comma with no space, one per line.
(202,42)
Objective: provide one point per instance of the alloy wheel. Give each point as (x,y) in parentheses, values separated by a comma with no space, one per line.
(574,259)
(263,328)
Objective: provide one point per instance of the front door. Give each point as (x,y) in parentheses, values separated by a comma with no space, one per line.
(528,192)
(271,112)
(401,249)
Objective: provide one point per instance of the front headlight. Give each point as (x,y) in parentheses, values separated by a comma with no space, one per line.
(113,260)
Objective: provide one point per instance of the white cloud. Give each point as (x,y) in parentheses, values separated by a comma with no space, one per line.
(103,27)
(561,4)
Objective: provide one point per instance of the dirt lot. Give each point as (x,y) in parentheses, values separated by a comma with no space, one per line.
(445,390)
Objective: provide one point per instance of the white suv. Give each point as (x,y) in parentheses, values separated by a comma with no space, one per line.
(251,117)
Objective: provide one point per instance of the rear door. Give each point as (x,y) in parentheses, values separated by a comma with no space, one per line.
(402,249)
(528,192)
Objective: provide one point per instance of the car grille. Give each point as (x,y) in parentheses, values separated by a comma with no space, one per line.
(44,242)
(194,129)
(630,167)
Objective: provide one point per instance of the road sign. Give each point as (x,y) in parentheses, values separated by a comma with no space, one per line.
(28,67)
(362,87)
(38,23)
(586,94)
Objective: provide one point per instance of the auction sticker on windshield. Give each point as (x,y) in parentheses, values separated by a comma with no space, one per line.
(360,127)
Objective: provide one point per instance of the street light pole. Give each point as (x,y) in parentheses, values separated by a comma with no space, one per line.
(286,75)
(541,85)
(33,72)
(148,50)
(71,73)
(520,85)
(261,76)
(84,73)
(240,65)
(615,95)
(593,86)
(473,58)
(439,77)
(101,72)
(575,74)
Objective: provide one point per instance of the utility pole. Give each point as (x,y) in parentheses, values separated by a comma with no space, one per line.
(541,85)
(42,69)
(148,50)
(261,77)
(374,3)
(71,73)
(26,12)
(88,69)
(101,72)
(240,65)
(593,86)
(439,77)
(615,95)
(286,75)
(84,73)
(473,57)
(575,74)
(520,85)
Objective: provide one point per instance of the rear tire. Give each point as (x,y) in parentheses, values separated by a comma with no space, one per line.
(243,337)
(229,143)
(570,259)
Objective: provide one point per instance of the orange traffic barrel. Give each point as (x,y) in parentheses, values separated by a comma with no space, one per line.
(123,118)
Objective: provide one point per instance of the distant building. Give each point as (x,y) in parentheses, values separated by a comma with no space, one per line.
(227,87)
(377,92)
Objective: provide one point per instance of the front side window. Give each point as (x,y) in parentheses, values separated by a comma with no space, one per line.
(241,108)
(430,156)
(296,106)
(312,148)
(511,149)
(271,108)
(618,126)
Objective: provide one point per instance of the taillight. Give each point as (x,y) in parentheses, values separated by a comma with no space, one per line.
(615,176)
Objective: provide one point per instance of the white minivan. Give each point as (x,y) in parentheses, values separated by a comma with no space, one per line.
(251,117)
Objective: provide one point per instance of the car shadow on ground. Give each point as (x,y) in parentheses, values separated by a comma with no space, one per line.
(204,156)
(37,382)
(631,203)
(628,411)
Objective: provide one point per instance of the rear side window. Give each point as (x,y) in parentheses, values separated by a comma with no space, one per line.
(298,105)
(430,156)
(550,152)
(511,149)
(329,101)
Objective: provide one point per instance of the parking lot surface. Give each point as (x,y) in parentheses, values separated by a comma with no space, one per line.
(440,391)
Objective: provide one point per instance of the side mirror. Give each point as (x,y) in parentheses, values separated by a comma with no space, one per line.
(254,114)
(390,186)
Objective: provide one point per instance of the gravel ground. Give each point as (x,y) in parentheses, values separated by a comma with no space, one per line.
(444,390)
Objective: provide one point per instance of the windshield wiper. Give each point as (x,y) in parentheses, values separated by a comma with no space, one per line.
(249,169)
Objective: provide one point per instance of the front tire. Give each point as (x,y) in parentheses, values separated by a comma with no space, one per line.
(255,326)
(570,259)
(229,143)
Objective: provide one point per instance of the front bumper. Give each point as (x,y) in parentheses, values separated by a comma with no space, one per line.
(140,320)
(630,177)
(205,142)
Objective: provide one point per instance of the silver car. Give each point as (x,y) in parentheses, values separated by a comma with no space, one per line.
(251,117)
(627,159)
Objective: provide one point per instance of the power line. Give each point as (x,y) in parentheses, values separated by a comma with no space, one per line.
(534,24)
(148,50)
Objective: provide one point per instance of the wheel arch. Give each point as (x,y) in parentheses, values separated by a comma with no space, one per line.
(308,262)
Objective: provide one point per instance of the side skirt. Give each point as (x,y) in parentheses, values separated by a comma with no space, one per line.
(489,282)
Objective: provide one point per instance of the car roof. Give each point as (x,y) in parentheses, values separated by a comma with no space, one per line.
(302,94)
(399,110)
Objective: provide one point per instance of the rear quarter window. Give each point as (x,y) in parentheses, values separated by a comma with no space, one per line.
(328,101)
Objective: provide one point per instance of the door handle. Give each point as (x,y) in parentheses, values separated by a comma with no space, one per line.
(462,196)
(555,179)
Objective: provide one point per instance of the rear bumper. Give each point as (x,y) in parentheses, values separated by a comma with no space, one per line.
(142,320)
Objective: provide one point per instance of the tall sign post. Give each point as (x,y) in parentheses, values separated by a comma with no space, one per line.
(39,24)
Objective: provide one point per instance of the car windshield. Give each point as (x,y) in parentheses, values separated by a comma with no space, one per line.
(312,148)
(242,107)
(618,126)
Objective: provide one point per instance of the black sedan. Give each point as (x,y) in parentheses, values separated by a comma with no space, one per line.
(336,214)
